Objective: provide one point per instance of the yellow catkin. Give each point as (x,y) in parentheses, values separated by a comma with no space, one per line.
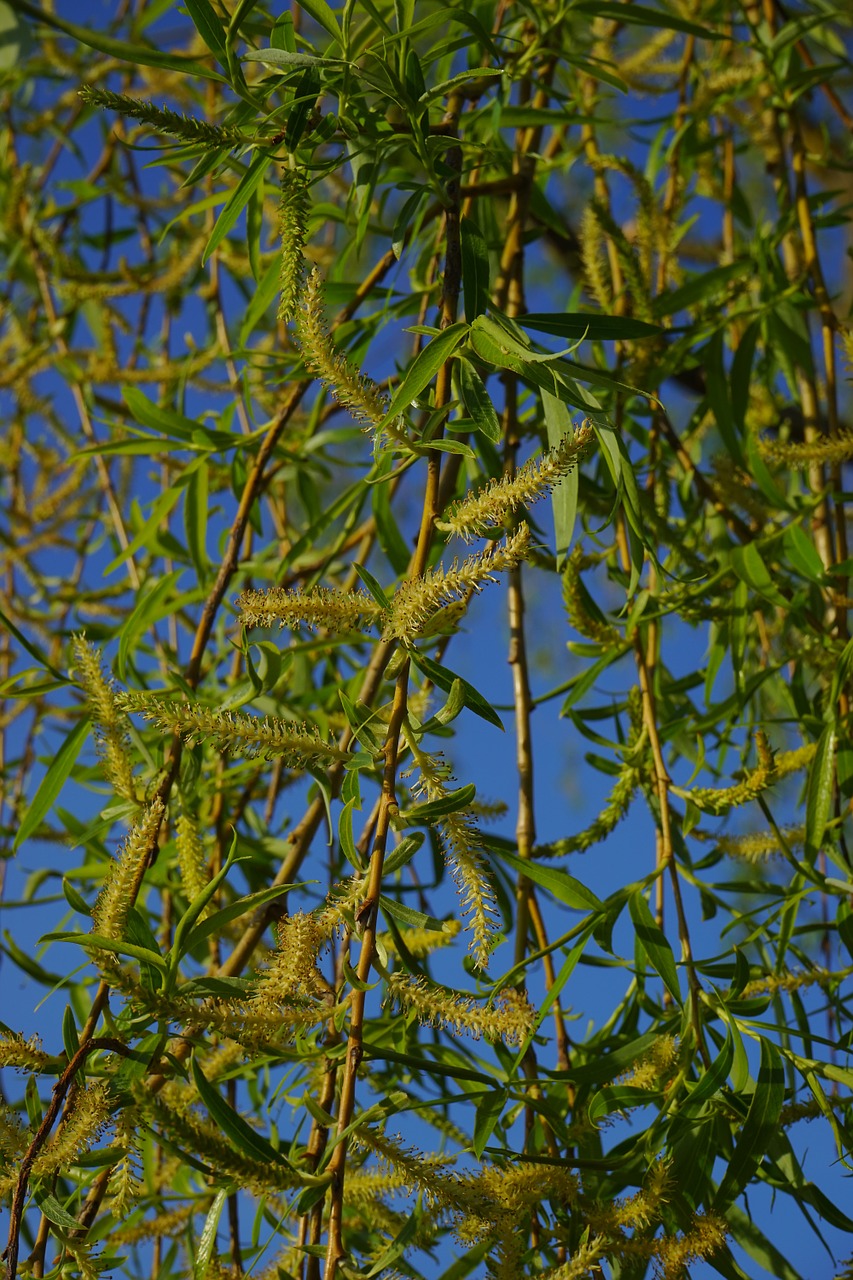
(488,508)
(111,726)
(109,915)
(337,611)
(293,211)
(352,389)
(416,602)
(266,736)
(192,863)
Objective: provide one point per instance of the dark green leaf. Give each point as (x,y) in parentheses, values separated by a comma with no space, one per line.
(423,369)
(475,270)
(655,944)
(444,678)
(237,201)
(759,1129)
(476,400)
(232,1124)
(820,788)
(52,782)
(580,324)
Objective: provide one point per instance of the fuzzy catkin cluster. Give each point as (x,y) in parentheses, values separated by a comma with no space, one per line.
(266,736)
(111,727)
(417,602)
(480,512)
(336,611)
(110,912)
(293,210)
(192,863)
(352,389)
(510,1017)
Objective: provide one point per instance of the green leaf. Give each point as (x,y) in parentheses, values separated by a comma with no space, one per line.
(443,677)
(74,898)
(476,400)
(52,782)
(207,1239)
(564,495)
(655,944)
(618,1097)
(594,327)
(237,201)
(285,60)
(143,617)
(209,26)
(423,369)
(373,586)
(53,1210)
(403,852)
(711,1082)
(232,1124)
(432,810)
(31,647)
(639,15)
(323,16)
(252,902)
(760,1127)
(196,511)
(486,1115)
(145,55)
(749,566)
(819,791)
(411,918)
(475,270)
(565,888)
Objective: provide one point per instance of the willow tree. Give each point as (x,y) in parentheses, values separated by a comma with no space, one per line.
(330,336)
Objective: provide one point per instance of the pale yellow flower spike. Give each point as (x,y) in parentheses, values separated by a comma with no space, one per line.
(416,603)
(487,509)
(109,915)
(266,736)
(352,389)
(111,726)
(337,611)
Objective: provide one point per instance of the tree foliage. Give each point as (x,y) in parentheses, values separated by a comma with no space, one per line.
(318,325)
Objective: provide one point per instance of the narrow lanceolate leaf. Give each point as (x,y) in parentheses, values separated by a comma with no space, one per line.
(209,26)
(232,1124)
(564,495)
(486,1116)
(477,401)
(560,884)
(52,782)
(759,1129)
(237,201)
(577,324)
(655,944)
(475,270)
(819,796)
(207,1239)
(423,369)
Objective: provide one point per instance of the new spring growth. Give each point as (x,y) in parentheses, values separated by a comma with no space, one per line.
(416,603)
(337,611)
(265,736)
(510,1017)
(110,912)
(111,726)
(164,120)
(353,390)
(293,211)
(487,509)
